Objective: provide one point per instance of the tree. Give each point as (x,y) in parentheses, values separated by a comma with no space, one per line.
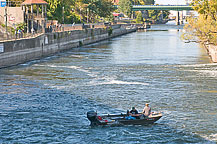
(203,27)
(143,2)
(101,8)
(15,3)
(154,14)
(55,10)
(78,10)
(139,18)
(148,2)
(125,6)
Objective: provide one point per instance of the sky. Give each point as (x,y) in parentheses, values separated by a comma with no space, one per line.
(171,2)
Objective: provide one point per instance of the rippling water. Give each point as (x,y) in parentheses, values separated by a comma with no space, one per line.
(46,101)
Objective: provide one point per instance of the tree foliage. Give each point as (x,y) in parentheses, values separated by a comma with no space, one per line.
(57,9)
(155,14)
(125,6)
(79,10)
(203,27)
(139,18)
(148,2)
(100,8)
(143,2)
(75,10)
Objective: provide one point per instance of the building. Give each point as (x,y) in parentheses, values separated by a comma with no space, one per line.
(14,15)
(116,2)
(36,20)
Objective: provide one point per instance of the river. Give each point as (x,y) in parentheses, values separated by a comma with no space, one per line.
(45,101)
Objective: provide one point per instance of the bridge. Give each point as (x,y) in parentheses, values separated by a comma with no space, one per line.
(178,8)
(160,7)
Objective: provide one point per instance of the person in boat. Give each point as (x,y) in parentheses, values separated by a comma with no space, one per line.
(134,113)
(147,110)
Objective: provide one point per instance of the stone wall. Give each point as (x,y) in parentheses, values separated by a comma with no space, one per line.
(23,50)
(212,51)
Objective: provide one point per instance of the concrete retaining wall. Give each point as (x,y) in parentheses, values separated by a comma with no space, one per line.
(21,51)
(212,51)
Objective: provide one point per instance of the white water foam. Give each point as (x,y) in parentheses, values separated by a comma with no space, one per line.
(97,81)
(210,73)
(212,137)
(59,87)
(199,65)
(76,56)
(118,82)
(72,67)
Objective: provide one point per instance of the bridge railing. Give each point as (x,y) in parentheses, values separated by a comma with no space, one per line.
(160,7)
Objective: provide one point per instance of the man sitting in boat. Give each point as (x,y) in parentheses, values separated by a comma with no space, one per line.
(134,113)
(147,110)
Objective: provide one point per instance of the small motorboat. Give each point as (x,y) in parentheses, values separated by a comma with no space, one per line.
(122,119)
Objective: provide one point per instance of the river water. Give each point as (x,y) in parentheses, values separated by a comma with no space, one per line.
(45,101)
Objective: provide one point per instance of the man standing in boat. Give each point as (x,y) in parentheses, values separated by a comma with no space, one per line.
(147,110)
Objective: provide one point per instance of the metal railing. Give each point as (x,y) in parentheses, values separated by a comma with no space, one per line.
(19,34)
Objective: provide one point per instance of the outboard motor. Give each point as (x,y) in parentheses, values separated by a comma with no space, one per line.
(92,116)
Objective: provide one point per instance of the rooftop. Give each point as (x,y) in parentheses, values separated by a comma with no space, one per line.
(31,2)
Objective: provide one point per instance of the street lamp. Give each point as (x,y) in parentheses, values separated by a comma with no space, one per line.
(72,15)
(63,15)
(87,15)
(80,14)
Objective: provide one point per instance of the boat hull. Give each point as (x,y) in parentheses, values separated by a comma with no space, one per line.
(140,121)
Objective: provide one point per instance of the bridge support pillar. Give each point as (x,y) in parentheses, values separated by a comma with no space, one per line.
(133,15)
(161,18)
(181,18)
(177,18)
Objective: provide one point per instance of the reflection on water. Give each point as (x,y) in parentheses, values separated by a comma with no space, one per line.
(47,100)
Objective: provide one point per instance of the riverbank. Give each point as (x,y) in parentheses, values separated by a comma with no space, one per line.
(212,52)
(23,50)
